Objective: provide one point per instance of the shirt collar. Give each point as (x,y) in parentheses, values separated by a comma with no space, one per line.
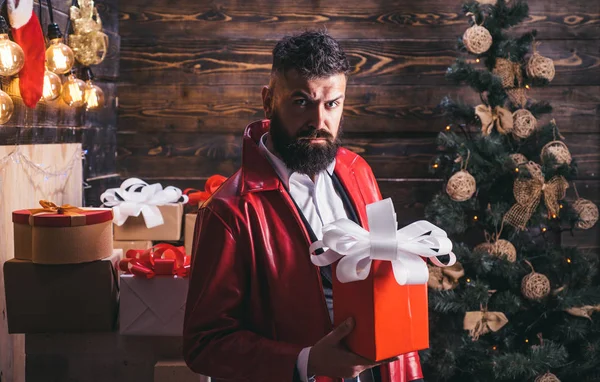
(281,169)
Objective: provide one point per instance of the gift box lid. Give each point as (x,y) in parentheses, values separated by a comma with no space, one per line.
(71,218)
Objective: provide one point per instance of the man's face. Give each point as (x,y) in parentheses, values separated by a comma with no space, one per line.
(306,119)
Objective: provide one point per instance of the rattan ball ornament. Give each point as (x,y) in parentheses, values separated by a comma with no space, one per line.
(484,248)
(539,66)
(535,286)
(461,186)
(504,248)
(558,152)
(548,377)
(477,39)
(587,213)
(524,123)
(518,159)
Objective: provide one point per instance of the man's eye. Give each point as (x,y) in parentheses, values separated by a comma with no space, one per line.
(301,102)
(332,104)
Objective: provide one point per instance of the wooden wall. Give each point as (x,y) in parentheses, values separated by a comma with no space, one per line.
(48,135)
(191,74)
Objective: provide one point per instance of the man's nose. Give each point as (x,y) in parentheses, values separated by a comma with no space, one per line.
(318,117)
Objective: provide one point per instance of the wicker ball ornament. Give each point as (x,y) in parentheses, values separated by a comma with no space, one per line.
(548,377)
(535,286)
(558,152)
(524,123)
(477,39)
(461,186)
(540,67)
(518,159)
(587,212)
(501,248)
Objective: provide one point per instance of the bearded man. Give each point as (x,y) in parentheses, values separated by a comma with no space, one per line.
(258,310)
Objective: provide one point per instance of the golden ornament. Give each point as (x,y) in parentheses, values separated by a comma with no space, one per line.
(548,377)
(535,286)
(461,186)
(540,66)
(587,213)
(482,322)
(445,278)
(524,123)
(497,117)
(558,151)
(89,43)
(477,39)
(528,192)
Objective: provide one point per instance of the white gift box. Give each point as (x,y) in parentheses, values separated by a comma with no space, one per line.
(152,307)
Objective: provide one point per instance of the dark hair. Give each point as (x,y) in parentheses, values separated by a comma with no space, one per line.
(314,54)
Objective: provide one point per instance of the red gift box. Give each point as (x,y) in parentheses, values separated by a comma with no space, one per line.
(390,319)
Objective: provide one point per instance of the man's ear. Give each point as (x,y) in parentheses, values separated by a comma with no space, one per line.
(267,98)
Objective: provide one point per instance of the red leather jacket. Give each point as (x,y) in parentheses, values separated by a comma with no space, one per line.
(255,299)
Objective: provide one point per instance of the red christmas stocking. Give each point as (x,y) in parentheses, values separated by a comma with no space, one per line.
(27,32)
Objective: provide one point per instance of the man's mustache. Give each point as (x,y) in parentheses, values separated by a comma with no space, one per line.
(314,134)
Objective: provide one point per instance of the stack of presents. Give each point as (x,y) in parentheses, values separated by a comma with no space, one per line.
(119,268)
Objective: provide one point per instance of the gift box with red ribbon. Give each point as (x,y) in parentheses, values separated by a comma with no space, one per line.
(153,291)
(62,234)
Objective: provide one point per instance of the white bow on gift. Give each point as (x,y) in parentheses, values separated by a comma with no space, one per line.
(136,196)
(405,248)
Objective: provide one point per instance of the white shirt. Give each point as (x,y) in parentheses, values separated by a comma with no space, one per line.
(320,204)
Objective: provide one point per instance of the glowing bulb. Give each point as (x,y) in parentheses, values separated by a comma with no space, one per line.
(468,280)
(6,107)
(516,169)
(52,86)
(448,128)
(561,206)
(12,57)
(569,261)
(526,86)
(544,229)
(73,91)
(435,165)
(526,340)
(553,216)
(477,60)
(494,347)
(94,96)
(59,57)
(475,217)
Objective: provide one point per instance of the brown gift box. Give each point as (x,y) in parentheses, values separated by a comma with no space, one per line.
(66,298)
(190,223)
(53,238)
(126,245)
(135,227)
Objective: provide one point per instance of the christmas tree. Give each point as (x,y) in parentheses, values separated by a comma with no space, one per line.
(518,306)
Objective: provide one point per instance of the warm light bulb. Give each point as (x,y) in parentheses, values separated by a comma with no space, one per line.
(526,340)
(553,216)
(6,107)
(477,60)
(544,229)
(73,91)
(12,57)
(59,57)
(526,86)
(569,261)
(94,96)
(435,165)
(448,128)
(475,217)
(516,169)
(52,86)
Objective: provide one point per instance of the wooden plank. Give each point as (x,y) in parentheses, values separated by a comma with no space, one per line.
(375,62)
(429,19)
(22,187)
(192,155)
(393,109)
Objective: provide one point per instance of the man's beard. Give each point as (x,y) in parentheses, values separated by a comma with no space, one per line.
(298,153)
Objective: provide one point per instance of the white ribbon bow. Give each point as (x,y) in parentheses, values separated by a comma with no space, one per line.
(405,248)
(136,196)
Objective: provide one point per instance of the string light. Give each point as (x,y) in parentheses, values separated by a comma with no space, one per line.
(448,128)
(516,169)
(435,165)
(73,91)
(544,229)
(93,95)
(6,107)
(52,86)
(468,280)
(568,260)
(560,206)
(12,57)
(477,60)
(475,217)
(494,347)
(553,216)
(59,57)
(526,340)
(526,86)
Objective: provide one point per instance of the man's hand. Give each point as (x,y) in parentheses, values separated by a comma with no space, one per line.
(330,358)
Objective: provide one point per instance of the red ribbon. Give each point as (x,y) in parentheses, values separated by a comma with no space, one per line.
(212,184)
(161,259)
